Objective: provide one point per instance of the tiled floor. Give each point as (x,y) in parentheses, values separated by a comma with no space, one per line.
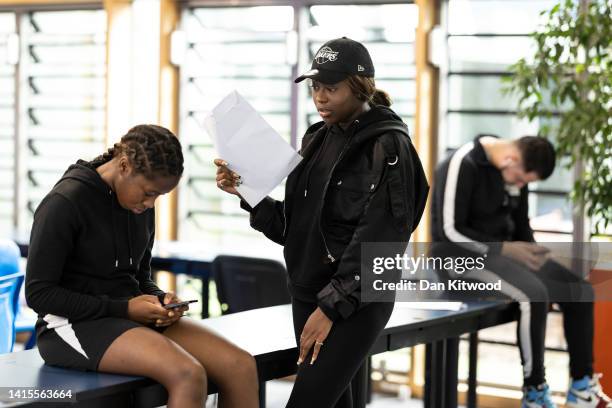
(278,394)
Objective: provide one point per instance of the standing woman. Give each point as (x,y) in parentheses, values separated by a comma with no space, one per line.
(89,278)
(360,181)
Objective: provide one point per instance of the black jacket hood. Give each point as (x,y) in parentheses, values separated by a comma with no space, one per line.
(379,119)
(85,172)
(363,128)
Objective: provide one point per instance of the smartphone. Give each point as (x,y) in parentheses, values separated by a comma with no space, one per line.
(179,304)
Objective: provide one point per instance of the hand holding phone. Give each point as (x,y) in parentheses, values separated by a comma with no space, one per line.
(179,304)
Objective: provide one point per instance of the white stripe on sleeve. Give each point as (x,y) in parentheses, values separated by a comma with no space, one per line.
(448,207)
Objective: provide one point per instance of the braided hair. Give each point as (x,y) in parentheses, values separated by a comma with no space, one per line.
(152,150)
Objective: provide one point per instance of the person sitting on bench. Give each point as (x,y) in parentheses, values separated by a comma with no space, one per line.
(480,202)
(88,277)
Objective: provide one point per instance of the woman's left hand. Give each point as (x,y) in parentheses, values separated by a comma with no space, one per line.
(173,314)
(315,333)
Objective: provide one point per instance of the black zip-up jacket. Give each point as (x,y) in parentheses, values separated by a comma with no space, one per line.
(375,201)
(472,206)
(87,256)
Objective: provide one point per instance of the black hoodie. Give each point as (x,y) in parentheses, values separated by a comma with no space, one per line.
(87,256)
(330,209)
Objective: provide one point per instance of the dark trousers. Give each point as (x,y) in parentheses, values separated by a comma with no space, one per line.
(326,383)
(535,290)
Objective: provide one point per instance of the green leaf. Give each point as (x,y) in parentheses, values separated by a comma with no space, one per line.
(571,70)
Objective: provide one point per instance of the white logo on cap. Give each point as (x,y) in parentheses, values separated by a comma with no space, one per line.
(326,54)
(360,68)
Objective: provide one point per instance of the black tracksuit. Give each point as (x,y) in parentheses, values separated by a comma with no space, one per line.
(344,193)
(472,208)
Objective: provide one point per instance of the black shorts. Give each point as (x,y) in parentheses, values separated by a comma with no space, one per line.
(80,345)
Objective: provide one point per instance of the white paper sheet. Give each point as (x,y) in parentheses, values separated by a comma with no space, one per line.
(252,148)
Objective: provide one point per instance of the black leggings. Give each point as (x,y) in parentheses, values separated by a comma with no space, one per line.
(326,383)
(534,291)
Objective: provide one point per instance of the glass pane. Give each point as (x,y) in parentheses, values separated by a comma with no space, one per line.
(463,127)
(386,22)
(478,93)
(495,17)
(7,124)
(486,54)
(235,21)
(484,92)
(550,213)
(241,48)
(63,60)
(7,23)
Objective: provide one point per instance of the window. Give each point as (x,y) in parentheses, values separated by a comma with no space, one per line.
(7,119)
(258,51)
(59,64)
(483,39)
(242,48)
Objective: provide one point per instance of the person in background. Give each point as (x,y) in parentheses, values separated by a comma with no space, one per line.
(480,202)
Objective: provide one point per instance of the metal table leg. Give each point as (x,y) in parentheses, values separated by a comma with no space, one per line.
(472,370)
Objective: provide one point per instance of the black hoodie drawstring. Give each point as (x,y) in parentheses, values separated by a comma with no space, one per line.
(112,209)
(312,163)
(129,231)
(129,222)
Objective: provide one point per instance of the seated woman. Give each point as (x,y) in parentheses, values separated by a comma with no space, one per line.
(89,279)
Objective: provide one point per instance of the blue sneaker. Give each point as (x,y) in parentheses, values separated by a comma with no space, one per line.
(537,397)
(587,393)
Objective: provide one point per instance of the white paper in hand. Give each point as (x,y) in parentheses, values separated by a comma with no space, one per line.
(251,146)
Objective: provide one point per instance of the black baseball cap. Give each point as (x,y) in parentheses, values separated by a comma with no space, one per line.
(337,59)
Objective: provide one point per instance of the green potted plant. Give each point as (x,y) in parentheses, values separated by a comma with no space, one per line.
(569,76)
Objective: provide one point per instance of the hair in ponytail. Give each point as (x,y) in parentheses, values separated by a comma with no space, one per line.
(381,97)
(365,89)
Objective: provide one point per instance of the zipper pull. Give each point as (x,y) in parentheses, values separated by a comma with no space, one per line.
(305,193)
(331,258)
(130,260)
(116,263)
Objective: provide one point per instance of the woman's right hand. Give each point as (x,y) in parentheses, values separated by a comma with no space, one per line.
(146,309)
(227,180)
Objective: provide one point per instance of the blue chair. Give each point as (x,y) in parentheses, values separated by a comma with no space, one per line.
(11,280)
(25,324)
